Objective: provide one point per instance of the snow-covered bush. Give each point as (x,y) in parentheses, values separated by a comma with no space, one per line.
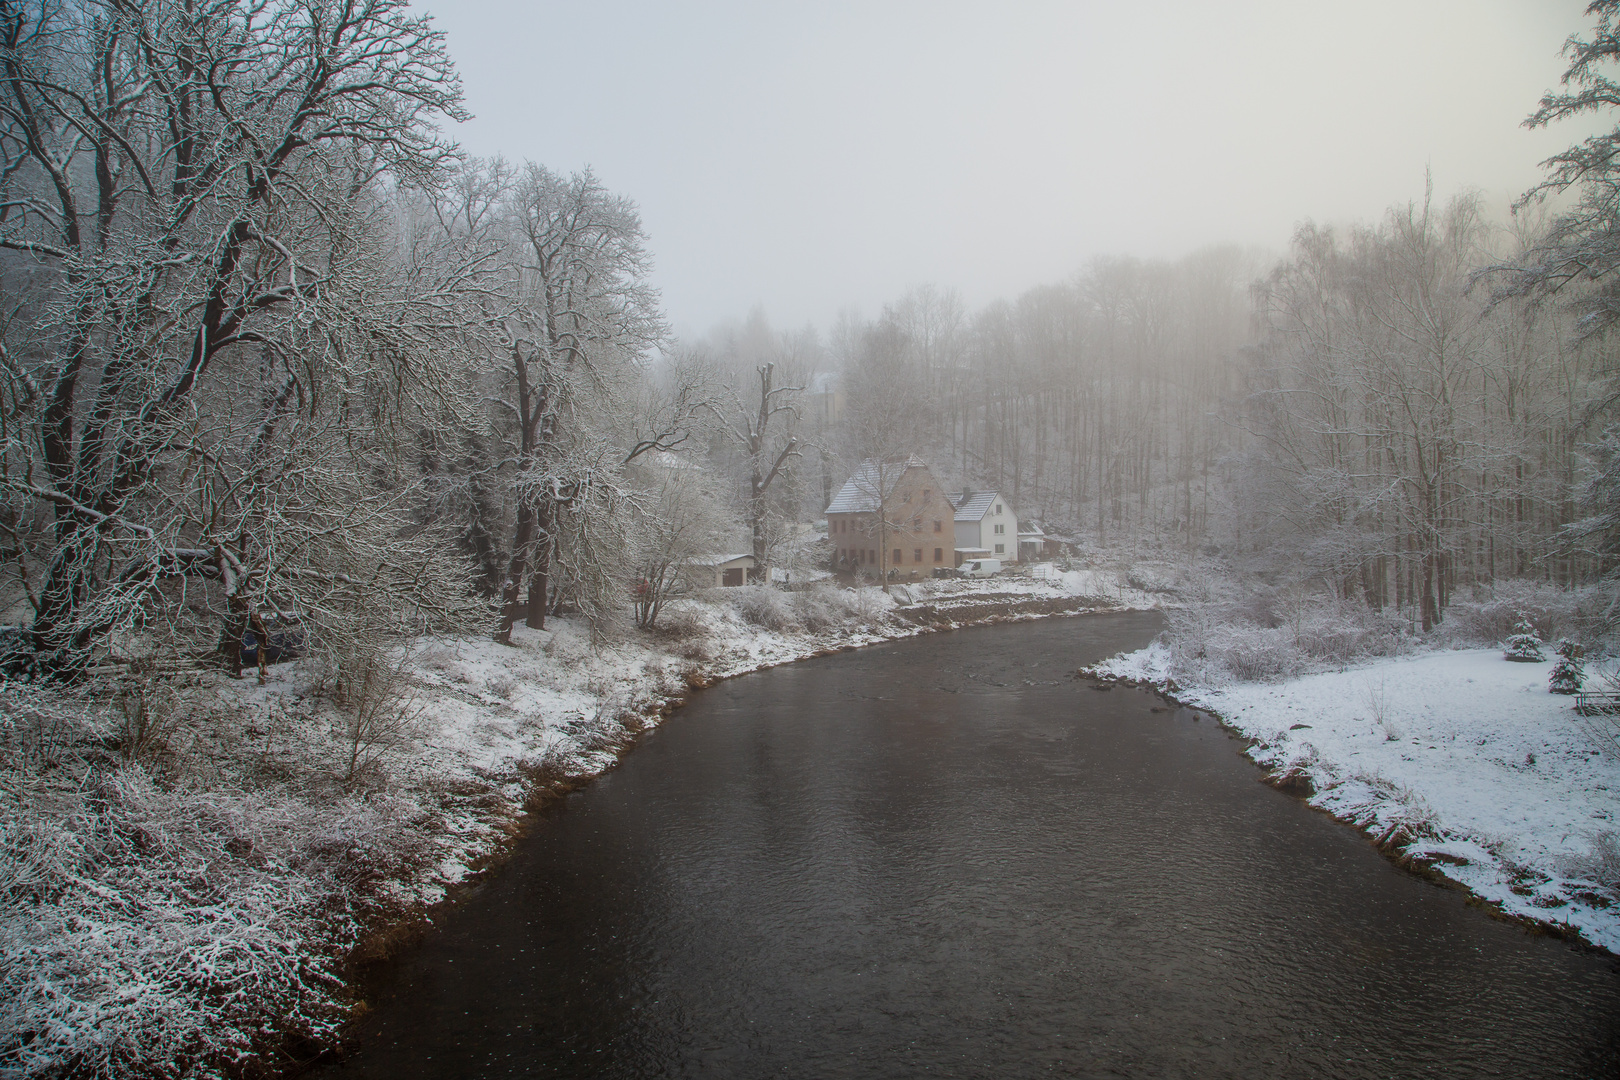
(825,607)
(145,924)
(1569,672)
(1524,644)
(868,604)
(1205,649)
(1152,579)
(1265,638)
(1601,866)
(178,921)
(1490,615)
(763,606)
(1343,632)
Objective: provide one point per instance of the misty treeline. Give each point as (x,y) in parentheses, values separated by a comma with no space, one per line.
(282,367)
(1375,416)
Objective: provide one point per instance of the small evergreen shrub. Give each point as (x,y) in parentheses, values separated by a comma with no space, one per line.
(1570,671)
(1524,644)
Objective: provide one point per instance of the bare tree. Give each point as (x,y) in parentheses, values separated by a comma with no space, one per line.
(682,517)
(582,318)
(765,431)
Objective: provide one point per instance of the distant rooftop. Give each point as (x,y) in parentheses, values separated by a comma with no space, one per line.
(859,495)
(971,505)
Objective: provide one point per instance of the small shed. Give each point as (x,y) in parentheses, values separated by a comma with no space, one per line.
(1040,544)
(721,571)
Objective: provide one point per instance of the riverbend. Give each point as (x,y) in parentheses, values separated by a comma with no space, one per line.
(949,856)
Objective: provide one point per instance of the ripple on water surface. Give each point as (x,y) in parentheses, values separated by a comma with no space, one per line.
(946,856)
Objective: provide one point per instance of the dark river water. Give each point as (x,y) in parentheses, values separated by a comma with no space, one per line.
(949,857)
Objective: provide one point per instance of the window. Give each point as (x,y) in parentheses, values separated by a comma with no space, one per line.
(897,559)
(939,554)
(1001,530)
(998,508)
(939,526)
(1000,548)
(916,554)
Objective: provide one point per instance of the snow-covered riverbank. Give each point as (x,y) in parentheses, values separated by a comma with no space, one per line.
(198,901)
(1459,760)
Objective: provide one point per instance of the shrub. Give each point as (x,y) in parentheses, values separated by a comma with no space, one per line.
(147,923)
(765,607)
(1523,645)
(825,607)
(1491,614)
(1568,674)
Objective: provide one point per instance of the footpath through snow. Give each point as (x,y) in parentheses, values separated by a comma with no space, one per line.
(1460,761)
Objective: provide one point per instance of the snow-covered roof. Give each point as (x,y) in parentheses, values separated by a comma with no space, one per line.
(859,495)
(971,505)
(720,560)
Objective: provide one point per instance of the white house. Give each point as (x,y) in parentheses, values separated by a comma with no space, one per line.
(986,526)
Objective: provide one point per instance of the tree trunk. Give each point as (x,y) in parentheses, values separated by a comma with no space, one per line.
(517,570)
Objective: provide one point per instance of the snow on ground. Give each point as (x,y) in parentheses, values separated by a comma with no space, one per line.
(1461,760)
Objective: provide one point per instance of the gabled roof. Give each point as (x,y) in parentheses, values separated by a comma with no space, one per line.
(720,560)
(971,505)
(859,495)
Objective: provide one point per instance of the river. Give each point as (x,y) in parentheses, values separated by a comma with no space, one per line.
(948,856)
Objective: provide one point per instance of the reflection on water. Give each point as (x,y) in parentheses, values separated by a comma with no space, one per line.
(949,857)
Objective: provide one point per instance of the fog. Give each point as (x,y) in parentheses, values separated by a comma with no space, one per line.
(809,160)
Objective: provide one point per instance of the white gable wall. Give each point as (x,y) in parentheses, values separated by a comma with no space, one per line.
(995,532)
(999,531)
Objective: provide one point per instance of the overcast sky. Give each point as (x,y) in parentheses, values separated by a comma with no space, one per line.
(815,156)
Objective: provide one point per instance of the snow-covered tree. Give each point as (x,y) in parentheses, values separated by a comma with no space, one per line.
(763,426)
(1582,249)
(681,518)
(578,323)
(1524,644)
(210,341)
(1570,671)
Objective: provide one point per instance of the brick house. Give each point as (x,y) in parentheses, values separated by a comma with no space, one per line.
(891,517)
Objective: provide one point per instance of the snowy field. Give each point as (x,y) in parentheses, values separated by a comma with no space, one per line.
(193,902)
(1460,760)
